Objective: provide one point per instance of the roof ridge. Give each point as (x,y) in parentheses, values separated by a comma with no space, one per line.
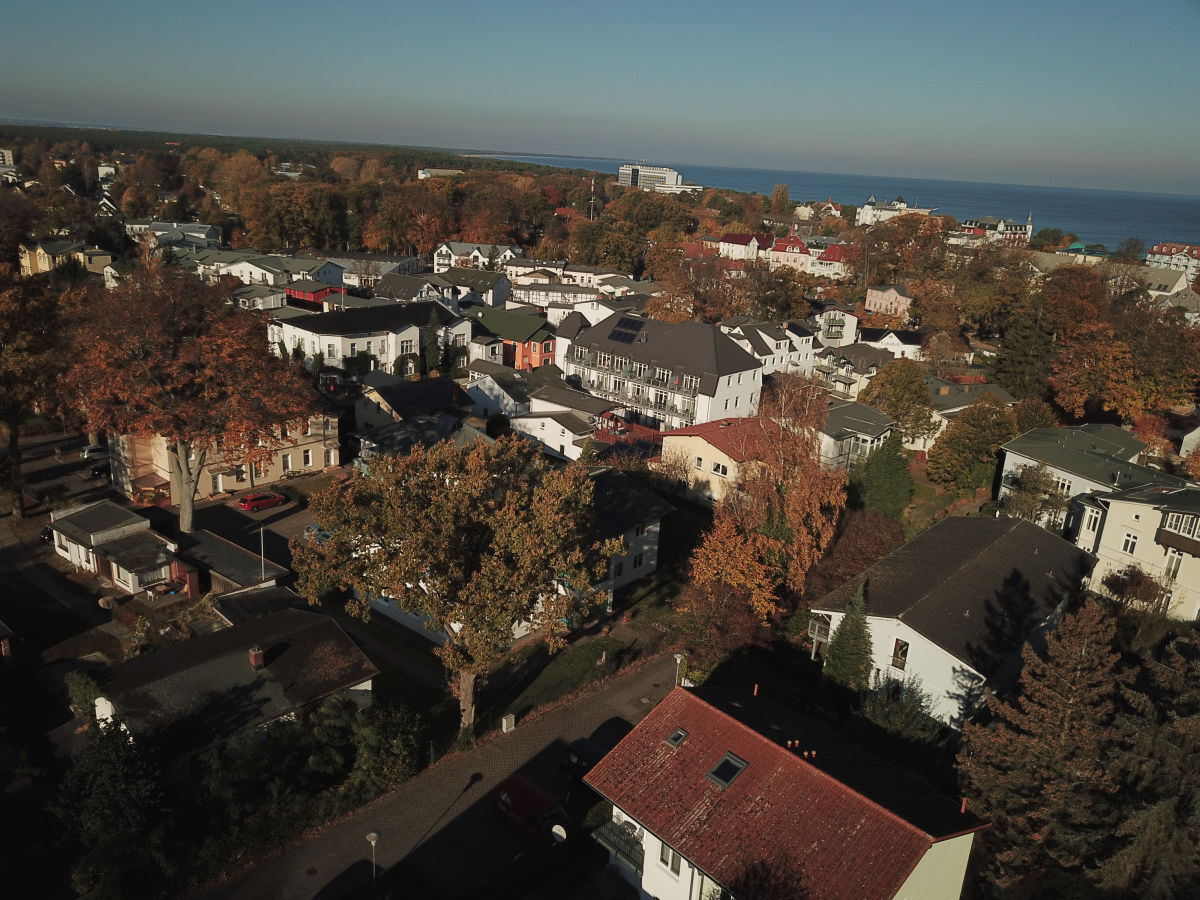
(1009,525)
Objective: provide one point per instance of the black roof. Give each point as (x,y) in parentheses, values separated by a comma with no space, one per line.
(227,559)
(83,523)
(203,689)
(246,606)
(376,318)
(423,398)
(974,586)
(621,503)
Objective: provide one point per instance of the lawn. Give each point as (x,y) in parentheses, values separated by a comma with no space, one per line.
(571,669)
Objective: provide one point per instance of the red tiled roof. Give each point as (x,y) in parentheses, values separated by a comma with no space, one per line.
(848,846)
(835,253)
(734,437)
(790,244)
(742,239)
(1167,249)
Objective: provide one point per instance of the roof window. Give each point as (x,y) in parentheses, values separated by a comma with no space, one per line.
(729,768)
(677,737)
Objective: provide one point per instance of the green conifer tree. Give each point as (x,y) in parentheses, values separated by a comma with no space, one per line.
(848,656)
(882,482)
(1040,772)
(1023,366)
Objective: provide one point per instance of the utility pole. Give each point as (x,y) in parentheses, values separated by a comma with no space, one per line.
(592,202)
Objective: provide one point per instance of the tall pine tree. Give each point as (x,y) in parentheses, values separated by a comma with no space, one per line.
(1023,366)
(848,656)
(1039,771)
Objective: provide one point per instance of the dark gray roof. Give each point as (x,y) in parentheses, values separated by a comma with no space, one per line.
(480,280)
(957,395)
(308,286)
(376,318)
(401,438)
(690,348)
(571,421)
(137,552)
(898,288)
(847,417)
(571,325)
(426,397)
(860,356)
(1176,499)
(403,287)
(512,326)
(621,503)
(909,338)
(246,606)
(976,587)
(214,553)
(572,399)
(204,688)
(81,524)
(1099,453)
(519,385)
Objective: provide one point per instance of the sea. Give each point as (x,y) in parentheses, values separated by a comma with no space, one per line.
(1097,216)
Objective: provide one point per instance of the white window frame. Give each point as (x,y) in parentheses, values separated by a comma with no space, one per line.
(1129,543)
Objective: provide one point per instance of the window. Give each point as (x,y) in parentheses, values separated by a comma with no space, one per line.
(1174,561)
(725,771)
(618,569)
(1181,524)
(370,346)
(639,531)
(604,360)
(353,349)
(307,428)
(406,347)
(677,737)
(581,352)
(287,462)
(669,857)
(331,352)
(1129,545)
(547,346)
(1092,521)
(1063,486)
(899,654)
(661,374)
(720,469)
(307,458)
(283,431)
(257,470)
(660,398)
(690,382)
(329,457)
(618,385)
(639,370)
(637,561)
(699,463)
(458,340)
(818,626)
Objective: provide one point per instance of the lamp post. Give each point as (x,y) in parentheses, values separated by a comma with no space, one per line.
(678,660)
(372,839)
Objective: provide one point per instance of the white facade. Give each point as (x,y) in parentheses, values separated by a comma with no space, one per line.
(561,435)
(472,256)
(386,346)
(648,178)
(872,212)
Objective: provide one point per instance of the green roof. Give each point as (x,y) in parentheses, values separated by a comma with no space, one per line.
(513,326)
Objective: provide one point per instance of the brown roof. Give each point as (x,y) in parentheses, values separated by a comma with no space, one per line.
(852,842)
(736,438)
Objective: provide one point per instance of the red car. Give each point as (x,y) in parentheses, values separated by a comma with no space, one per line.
(255,502)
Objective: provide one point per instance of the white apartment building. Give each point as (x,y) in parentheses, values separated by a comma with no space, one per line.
(1180,257)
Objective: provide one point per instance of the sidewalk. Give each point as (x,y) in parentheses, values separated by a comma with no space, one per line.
(46,580)
(442,822)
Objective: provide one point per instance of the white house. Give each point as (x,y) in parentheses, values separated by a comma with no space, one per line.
(1181,257)
(779,347)
(664,375)
(852,432)
(835,325)
(873,212)
(114,543)
(952,606)
(1152,528)
(472,256)
(712,782)
(848,369)
(745,246)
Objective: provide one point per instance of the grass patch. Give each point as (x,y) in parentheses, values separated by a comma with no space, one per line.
(926,503)
(570,670)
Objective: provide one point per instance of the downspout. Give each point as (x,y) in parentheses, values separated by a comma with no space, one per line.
(691,882)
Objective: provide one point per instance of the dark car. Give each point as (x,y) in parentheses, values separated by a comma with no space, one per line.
(529,807)
(46,534)
(580,758)
(255,502)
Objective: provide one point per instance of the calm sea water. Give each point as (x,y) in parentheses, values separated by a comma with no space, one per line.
(1105,217)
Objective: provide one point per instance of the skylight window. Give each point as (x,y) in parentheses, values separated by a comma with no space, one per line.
(729,768)
(677,737)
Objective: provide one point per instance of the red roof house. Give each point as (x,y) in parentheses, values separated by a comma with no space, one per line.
(713,783)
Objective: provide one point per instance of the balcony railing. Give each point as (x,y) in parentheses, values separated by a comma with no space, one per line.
(621,839)
(898,662)
(818,630)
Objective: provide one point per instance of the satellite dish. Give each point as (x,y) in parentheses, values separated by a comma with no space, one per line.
(559,833)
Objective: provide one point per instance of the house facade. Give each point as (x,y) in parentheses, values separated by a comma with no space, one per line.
(46,256)
(1008,232)
(527,341)
(710,782)
(852,432)
(846,370)
(889,300)
(664,375)
(779,347)
(1180,257)
(955,604)
(472,256)
(873,212)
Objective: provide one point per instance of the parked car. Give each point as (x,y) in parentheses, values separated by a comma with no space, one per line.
(529,807)
(93,451)
(317,534)
(255,502)
(579,759)
(46,534)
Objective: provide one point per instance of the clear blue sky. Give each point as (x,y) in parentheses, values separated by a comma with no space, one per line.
(1100,94)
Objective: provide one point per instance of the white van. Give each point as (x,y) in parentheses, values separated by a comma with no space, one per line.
(94,451)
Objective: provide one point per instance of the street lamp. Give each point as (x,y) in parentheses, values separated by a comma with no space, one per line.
(372,839)
(678,660)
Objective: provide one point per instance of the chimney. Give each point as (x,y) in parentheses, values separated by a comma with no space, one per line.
(257,659)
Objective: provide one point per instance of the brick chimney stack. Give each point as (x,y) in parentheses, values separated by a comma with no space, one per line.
(257,658)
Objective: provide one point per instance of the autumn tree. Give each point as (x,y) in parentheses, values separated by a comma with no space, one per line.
(1033,413)
(1035,497)
(31,359)
(863,539)
(472,541)
(166,356)
(964,455)
(1138,591)
(1039,773)
(901,392)
(781,202)
(848,657)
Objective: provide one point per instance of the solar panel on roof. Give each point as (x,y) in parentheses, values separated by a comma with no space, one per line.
(625,331)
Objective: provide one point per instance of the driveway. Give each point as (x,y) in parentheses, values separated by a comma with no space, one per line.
(442,825)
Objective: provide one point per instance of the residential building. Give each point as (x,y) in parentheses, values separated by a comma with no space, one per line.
(715,452)
(846,370)
(1151,528)
(144,470)
(478,286)
(305,290)
(560,418)
(954,606)
(713,782)
(905,344)
(889,300)
(8,156)
(779,347)
(495,388)
(223,567)
(392,337)
(852,432)
(664,375)
(1181,257)
(1000,231)
(746,246)
(527,341)
(835,325)
(950,396)
(814,255)
(209,688)
(364,270)
(259,296)
(386,399)
(873,212)
(118,546)
(472,256)
(46,256)
(1083,459)
(407,288)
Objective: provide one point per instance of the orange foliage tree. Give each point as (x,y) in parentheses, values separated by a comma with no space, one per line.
(164,355)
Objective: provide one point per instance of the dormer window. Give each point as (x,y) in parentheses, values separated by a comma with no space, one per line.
(677,737)
(729,768)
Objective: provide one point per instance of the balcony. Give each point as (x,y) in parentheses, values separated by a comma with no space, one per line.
(620,838)
(899,662)
(818,629)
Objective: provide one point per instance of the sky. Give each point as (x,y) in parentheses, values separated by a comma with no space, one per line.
(1104,94)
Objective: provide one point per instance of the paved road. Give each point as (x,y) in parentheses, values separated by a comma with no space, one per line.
(442,823)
